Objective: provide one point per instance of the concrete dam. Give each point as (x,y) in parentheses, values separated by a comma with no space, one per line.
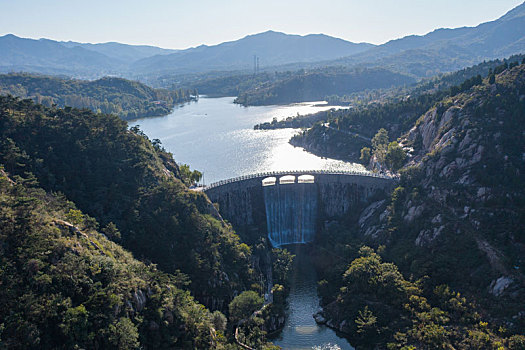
(288,206)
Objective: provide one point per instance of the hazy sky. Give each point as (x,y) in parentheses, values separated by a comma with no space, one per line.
(181,23)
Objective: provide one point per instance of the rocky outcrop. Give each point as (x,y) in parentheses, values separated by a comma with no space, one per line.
(331,319)
(498,286)
(463,183)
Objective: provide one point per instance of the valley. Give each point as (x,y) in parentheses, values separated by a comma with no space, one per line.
(277,191)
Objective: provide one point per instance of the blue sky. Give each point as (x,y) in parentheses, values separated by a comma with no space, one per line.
(181,24)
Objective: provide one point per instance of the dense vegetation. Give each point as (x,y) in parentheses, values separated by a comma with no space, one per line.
(118,177)
(70,283)
(125,98)
(66,286)
(232,84)
(281,87)
(383,309)
(451,232)
(314,86)
(333,133)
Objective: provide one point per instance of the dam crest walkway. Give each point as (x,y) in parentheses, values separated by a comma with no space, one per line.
(297,172)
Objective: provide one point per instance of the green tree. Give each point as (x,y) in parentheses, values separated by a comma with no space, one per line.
(282,265)
(395,156)
(75,216)
(244,304)
(111,231)
(366,154)
(219,321)
(379,145)
(366,323)
(75,324)
(517,342)
(196,176)
(279,294)
(189,177)
(124,334)
(380,139)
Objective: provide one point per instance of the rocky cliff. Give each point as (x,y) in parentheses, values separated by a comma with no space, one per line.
(458,214)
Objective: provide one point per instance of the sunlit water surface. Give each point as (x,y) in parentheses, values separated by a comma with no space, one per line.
(301,331)
(216,137)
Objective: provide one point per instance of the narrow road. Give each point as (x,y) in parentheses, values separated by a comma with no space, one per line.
(327,125)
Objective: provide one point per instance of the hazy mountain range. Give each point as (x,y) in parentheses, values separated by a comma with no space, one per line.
(439,51)
(122,52)
(272,48)
(447,50)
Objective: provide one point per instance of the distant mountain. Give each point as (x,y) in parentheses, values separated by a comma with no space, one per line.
(71,58)
(51,57)
(445,50)
(86,60)
(272,48)
(122,52)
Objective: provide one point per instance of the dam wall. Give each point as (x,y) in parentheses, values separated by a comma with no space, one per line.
(289,212)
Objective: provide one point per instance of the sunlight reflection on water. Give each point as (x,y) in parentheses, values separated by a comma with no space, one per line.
(216,137)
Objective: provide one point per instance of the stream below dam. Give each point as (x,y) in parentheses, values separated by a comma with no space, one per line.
(216,137)
(300,330)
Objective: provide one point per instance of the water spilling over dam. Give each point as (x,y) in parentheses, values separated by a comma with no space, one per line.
(291,209)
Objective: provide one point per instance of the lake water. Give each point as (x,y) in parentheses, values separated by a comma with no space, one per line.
(217,138)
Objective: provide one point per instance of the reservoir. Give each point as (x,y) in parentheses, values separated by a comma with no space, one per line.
(216,137)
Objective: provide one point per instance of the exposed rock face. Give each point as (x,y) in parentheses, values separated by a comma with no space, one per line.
(413,213)
(498,286)
(464,183)
(139,300)
(426,237)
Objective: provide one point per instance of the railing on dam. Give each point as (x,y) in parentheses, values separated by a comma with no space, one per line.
(297,172)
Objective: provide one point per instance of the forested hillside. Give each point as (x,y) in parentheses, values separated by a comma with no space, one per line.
(65,278)
(448,267)
(315,86)
(118,177)
(125,98)
(66,286)
(332,133)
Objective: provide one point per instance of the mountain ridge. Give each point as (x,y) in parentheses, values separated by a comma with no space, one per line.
(448,49)
(500,38)
(280,47)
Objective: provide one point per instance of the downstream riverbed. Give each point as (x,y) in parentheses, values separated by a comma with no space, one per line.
(217,138)
(300,330)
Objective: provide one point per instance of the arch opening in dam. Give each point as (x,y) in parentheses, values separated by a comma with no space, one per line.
(289,207)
